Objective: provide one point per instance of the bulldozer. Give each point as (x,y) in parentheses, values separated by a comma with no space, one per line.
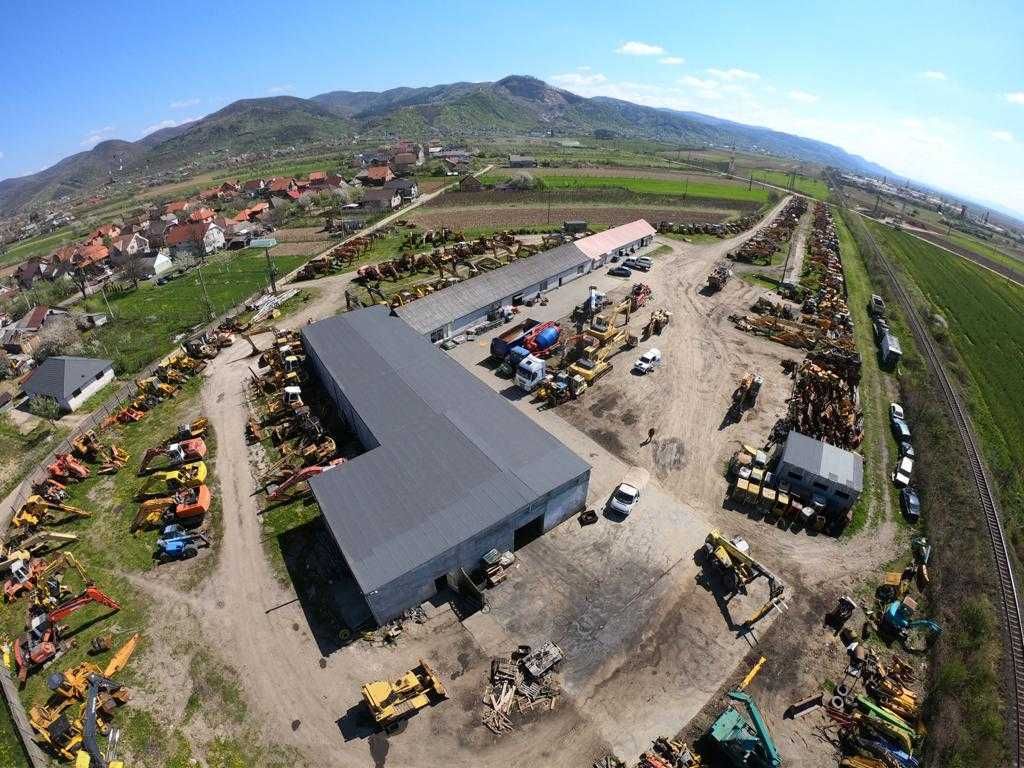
(156,388)
(86,446)
(187,506)
(37,510)
(389,701)
(732,559)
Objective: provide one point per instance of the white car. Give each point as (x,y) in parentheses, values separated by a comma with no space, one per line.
(896,412)
(624,499)
(901,475)
(648,361)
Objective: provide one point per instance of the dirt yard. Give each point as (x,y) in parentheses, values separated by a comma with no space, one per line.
(649,639)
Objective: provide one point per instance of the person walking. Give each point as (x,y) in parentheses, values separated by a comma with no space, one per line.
(650,437)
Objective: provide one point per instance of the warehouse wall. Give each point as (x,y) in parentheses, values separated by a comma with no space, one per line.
(419,585)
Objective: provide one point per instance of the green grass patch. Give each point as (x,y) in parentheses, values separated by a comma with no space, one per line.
(40,245)
(11,752)
(982,248)
(20,452)
(147,320)
(803,184)
(760,280)
(665,187)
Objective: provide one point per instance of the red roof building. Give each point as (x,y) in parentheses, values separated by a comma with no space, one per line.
(280,184)
(204,215)
(379,174)
(317,176)
(175,207)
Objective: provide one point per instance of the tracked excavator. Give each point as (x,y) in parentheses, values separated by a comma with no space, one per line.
(43,640)
(186,507)
(186,476)
(738,568)
(27,575)
(37,510)
(278,491)
(173,455)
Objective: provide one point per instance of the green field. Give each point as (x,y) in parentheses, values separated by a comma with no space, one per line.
(803,184)
(982,248)
(40,245)
(667,187)
(147,320)
(11,753)
(985,318)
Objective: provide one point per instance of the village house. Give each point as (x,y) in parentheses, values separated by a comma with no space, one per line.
(194,239)
(69,380)
(521,161)
(280,186)
(470,183)
(202,215)
(254,187)
(381,200)
(407,188)
(175,207)
(376,175)
(128,246)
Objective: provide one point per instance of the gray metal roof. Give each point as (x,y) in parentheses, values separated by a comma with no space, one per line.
(824,460)
(58,377)
(453,457)
(438,309)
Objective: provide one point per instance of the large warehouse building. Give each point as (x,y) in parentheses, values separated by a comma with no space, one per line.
(451,469)
(465,305)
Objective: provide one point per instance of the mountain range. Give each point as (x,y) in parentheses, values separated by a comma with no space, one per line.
(514,105)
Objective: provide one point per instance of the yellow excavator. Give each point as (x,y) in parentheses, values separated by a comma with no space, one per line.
(391,700)
(69,736)
(732,558)
(36,509)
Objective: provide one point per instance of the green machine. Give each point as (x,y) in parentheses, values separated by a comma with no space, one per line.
(745,744)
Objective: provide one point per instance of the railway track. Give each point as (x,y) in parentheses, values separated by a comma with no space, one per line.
(1009,600)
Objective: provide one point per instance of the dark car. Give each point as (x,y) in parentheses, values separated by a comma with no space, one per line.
(620,271)
(910,502)
(634,264)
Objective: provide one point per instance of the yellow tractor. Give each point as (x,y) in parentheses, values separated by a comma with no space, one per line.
(391,700)
(738,569)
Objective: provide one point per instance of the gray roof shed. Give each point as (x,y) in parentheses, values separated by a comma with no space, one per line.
(824,460)
(453,458)
(438,309)
(58,377)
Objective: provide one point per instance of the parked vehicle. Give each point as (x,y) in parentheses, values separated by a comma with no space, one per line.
(901,429)
(502,344)
(634,264)
(911,504)
(624,499)
(901,475)
(896,412)
(648,361)
(906,449)
(876,306)
(620,271)
(647,261)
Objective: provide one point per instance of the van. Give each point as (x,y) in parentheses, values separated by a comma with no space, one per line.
(901,475)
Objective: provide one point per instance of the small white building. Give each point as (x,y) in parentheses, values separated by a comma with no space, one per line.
(69,380)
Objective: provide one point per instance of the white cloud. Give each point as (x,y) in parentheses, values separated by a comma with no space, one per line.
(1017,97)
(1004,136)
(578,80)
(166,124)
(634,48)
(277,89)
(703,89)
(184,103)
(802,96)
(730,75)
(672,60)
(934,74)
(96,135)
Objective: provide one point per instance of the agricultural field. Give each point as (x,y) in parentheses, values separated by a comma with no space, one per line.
(803,184)
(683,186)
(147,321)
(40,245)
(982,316)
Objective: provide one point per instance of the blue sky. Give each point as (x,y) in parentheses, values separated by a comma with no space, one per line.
(929,89)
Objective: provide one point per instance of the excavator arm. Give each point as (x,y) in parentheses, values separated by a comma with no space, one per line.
(90,725)
(90,595)
(771,751)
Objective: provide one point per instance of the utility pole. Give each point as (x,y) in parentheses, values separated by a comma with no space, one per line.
(266,243)
(206,296)
(103,293)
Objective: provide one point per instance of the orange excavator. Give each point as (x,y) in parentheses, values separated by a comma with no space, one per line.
(66,467)
(176,454)
(278,491)
(43,640)
(26,575)
(186,507)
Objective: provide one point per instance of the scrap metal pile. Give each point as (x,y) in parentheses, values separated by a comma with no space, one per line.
(521,682)
(824,406)
(719,230)
(760,248)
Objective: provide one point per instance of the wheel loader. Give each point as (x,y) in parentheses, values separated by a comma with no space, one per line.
(389,701)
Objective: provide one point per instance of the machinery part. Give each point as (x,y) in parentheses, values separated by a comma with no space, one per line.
(745,744)
(36,509)
(390,701)
(731,558)
(177,544)
(90,727)
(188,506)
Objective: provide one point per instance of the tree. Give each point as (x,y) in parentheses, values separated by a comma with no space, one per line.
(132,268)
(44,407)
(56,337)
(6,367)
